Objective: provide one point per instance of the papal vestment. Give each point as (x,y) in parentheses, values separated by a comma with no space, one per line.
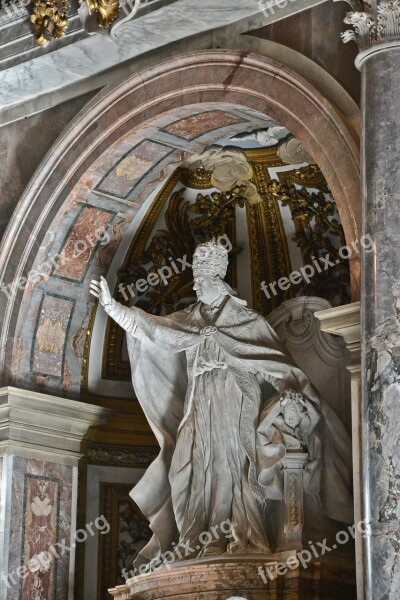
(210,391)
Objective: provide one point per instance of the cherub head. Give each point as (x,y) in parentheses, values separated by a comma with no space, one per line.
(293,408)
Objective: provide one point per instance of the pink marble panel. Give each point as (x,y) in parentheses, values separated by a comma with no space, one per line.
(51,333)
(42,508)
(40,519)
(82,241)
(131,168)
(194,126)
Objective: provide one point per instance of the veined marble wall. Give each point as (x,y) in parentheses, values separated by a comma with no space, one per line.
(23,145)
(41,517)
(40,439)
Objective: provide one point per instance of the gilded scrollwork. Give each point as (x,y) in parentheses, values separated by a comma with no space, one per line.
(317,227)
(106,11)
(309,177)
(50,20)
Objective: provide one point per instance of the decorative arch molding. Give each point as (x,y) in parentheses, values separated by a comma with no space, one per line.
(215,76)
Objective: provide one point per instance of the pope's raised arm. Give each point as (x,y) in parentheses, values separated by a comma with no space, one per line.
(170,332)
(123,315)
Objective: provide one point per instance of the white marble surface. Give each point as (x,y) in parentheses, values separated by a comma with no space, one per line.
(45,427)
(210,349)
(345,321)
(52,78)
(322,357)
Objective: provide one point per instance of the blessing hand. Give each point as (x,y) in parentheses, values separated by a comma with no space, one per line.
(100,290)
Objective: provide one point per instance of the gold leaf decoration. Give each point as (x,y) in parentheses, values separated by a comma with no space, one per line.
(316,227)
(107,11)
(50,20)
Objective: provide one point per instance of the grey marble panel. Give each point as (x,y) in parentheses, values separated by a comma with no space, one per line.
(381,322)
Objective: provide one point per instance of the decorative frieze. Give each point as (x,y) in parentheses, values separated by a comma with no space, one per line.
(121,456)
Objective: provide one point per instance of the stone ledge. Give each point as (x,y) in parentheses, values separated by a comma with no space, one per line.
(342,320)
(39,424)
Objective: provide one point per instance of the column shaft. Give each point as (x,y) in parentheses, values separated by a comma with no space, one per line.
(380,319)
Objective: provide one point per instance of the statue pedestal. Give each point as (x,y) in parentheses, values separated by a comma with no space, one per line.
(292,533)
(250,578)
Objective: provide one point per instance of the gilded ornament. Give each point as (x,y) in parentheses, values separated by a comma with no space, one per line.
(316,226)
(309,177)
(269,251)
(50,20)
(106,11)
(197,179)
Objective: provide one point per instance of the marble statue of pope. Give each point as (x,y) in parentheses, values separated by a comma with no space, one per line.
(213,381)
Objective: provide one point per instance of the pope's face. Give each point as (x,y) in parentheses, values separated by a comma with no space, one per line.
(206,290)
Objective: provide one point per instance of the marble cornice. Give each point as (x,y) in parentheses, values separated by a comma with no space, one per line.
(43,426)
(46,80)
(344,321)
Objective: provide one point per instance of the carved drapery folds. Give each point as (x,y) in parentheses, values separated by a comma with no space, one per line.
(379,22)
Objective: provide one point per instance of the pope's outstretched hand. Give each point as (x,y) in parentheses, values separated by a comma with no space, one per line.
(100,290)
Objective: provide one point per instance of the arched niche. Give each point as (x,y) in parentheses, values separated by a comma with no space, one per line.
(217,78)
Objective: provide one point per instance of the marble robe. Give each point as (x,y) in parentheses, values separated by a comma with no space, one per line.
(203,387)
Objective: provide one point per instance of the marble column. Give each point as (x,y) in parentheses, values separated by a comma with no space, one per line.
(344,321)
(40,447)
(377,32)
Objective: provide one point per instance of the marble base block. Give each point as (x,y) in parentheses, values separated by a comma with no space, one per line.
(242,577)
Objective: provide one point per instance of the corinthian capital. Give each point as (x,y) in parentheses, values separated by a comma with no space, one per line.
(379,22)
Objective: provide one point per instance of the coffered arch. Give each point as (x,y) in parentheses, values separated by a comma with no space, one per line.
(238,90)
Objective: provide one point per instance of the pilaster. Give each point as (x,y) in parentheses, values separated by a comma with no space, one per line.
(344,321)
(40,447)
